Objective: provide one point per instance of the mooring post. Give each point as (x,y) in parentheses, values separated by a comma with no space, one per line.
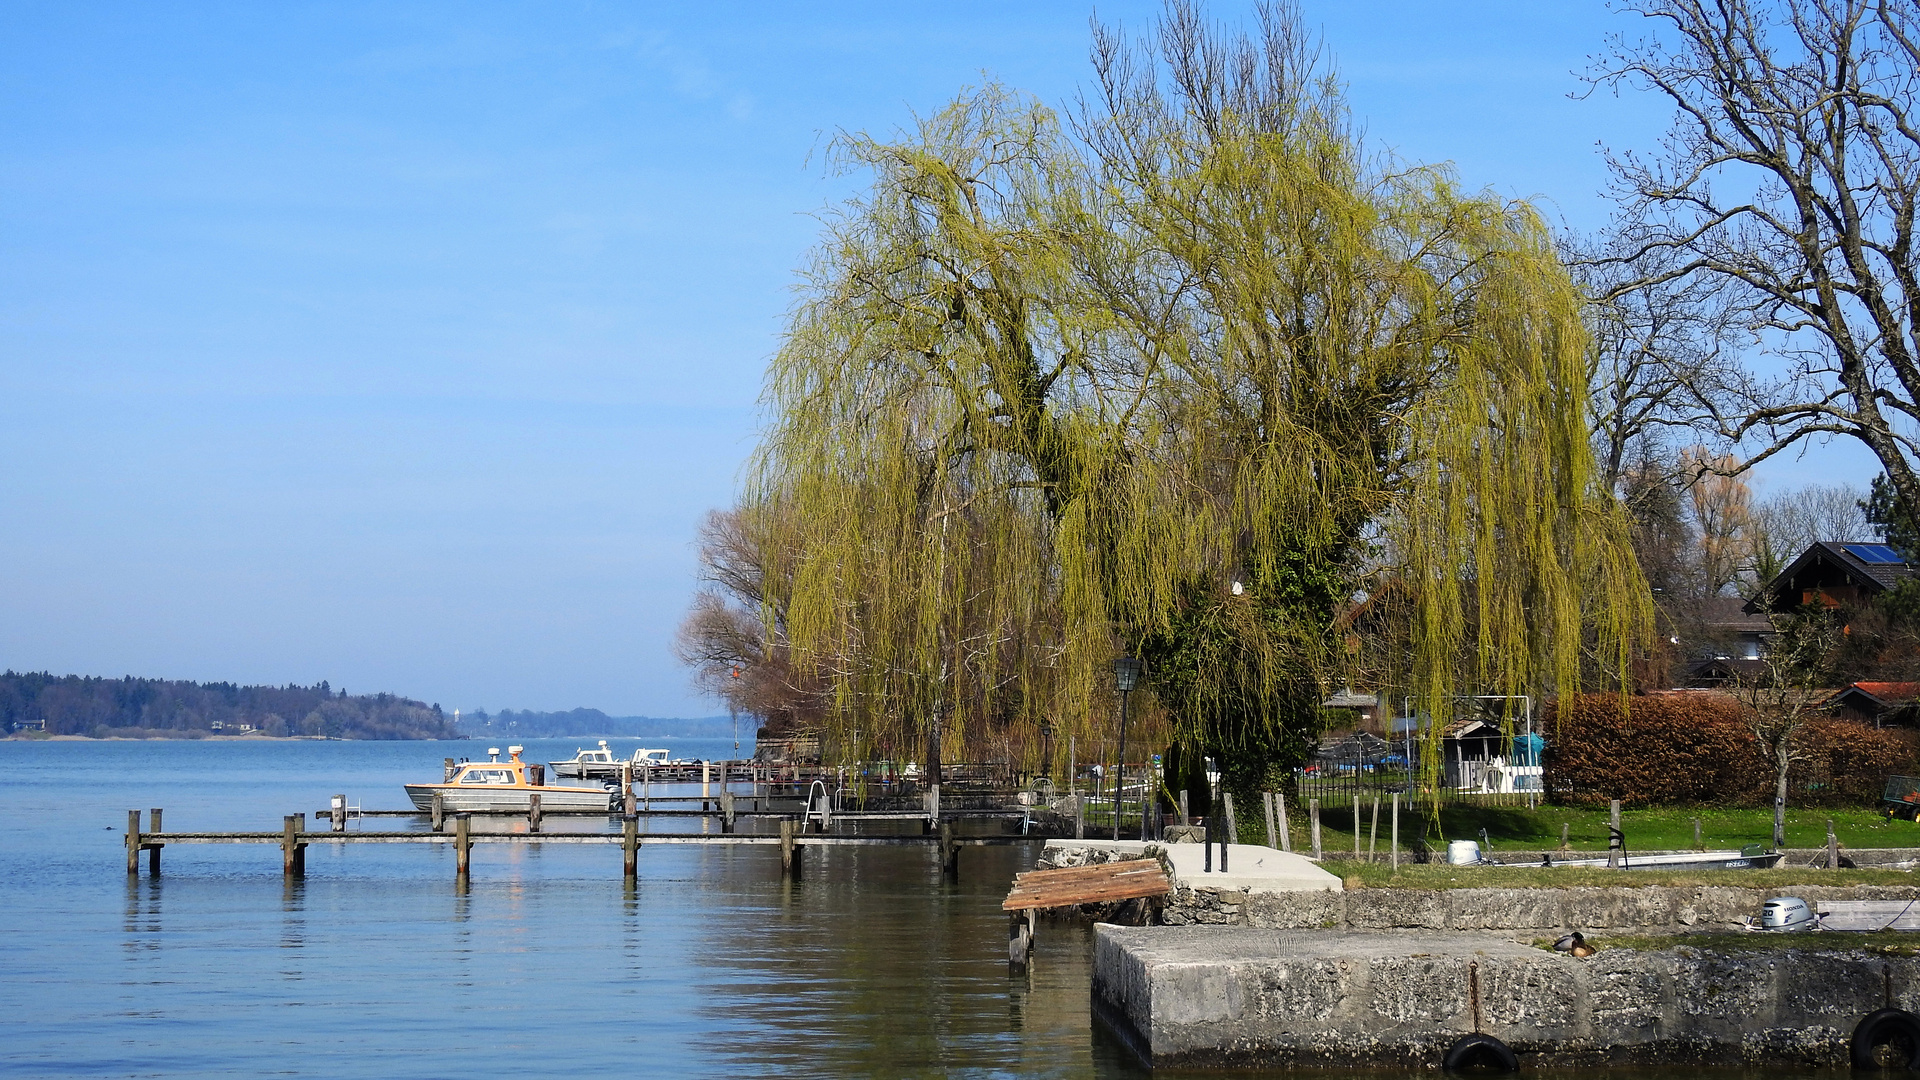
(726,810)
(646,784)
(153,849)
(786,848)
(630,846)
(291,862)
(1616,839)
(949,851)
(337,813)
(1564,845)
(448,769)
(133,843)
(1286,829)
(1833,848)
(439,811)
(533,812)
(1019,939)
(1396,832)
(1697,845)
(1185,818)
(1233,824)
(1266,815)
(1313,816)
(462,844)
(1079,817)
(630,803)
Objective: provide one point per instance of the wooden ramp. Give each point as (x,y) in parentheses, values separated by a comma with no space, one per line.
(1072,885)
(1869,914)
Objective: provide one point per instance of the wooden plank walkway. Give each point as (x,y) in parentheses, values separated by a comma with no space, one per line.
(293,840)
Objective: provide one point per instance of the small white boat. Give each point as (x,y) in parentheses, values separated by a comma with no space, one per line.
(504,786)
(601,764)
(1678,860)
(587,764)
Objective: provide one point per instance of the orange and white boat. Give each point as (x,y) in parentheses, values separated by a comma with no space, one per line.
(504,785)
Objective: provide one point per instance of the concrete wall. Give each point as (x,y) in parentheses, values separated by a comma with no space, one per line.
(1642,909)
(1245,997)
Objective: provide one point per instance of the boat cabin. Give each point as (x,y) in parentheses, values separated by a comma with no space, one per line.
(493,770)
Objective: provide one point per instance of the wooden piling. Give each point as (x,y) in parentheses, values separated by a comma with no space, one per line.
(1266,812)
(630,846)
(1313,813)
(293,853)
(339,815)
(1356,828)
(448,769)
(1280,812)
(533,812)
(133,843)
(1697,845)
(786,848)
(1616,841)
(1079,817)
(949,851)
(1186,817)
(1564,845)
(1373,836)
(1020,939)
(726,809)
(153,849)
(1833,848)
(706,783)
(1233,826)
(439,810)
(462,845)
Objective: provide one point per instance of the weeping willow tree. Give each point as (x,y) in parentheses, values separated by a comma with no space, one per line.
(1197,378)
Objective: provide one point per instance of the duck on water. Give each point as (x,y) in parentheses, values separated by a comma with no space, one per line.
(504,785)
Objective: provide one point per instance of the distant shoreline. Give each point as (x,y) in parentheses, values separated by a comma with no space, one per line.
(22,736)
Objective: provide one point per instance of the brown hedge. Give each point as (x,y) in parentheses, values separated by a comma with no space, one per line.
(1692,748)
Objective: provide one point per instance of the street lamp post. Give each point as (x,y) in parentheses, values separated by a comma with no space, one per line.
(1126,676)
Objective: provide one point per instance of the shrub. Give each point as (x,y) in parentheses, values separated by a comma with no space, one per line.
(1692,748)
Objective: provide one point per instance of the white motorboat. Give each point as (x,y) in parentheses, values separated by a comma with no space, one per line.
(504,786)
(601,764)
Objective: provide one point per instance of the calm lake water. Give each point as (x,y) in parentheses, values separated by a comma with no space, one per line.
(376,966)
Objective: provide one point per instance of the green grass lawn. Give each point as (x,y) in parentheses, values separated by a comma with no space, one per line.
(1380,875)
(1515,830)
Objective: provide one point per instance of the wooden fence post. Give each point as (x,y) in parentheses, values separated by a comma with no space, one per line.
(1373,835)
(1233,831)
(1266,811)
(1286,829)
(1313,810)
(1616,840)
(1356,828)
(1396,832)
(1833,848)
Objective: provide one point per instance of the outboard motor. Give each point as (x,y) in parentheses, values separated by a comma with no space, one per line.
(1786,913)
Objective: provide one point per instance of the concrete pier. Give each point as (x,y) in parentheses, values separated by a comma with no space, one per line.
(1239,996)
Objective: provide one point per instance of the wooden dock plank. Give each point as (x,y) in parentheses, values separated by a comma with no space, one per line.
(1071,885)
(722,839)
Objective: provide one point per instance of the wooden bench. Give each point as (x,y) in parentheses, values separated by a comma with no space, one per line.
(1069,886)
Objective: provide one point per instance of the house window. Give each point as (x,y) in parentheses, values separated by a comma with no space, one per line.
(1753,650)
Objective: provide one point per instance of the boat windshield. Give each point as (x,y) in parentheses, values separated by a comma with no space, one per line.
(487,776)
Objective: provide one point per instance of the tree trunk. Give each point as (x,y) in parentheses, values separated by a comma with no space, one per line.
(1780,802)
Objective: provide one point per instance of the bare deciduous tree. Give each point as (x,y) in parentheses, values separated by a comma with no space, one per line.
(1789,176)
(1778,702)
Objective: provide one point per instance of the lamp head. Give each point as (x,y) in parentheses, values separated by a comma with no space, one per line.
(1126,673)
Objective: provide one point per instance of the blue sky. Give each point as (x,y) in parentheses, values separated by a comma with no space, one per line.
(404,345)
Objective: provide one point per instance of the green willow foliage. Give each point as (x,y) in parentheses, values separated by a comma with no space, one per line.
(1050,394)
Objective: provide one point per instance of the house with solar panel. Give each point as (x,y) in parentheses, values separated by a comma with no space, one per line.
(1831,574)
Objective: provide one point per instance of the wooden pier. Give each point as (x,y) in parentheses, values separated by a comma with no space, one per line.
(293,839)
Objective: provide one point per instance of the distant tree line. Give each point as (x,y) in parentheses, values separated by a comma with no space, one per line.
(169,708)
(527,724)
